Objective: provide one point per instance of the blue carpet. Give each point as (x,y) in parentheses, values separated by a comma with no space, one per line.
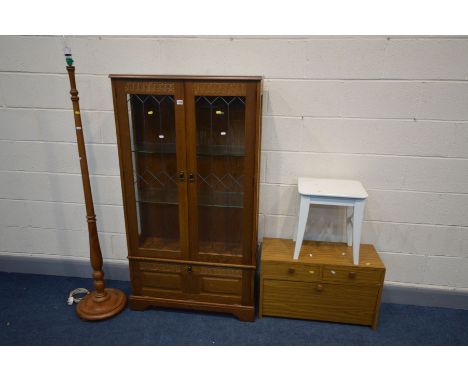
(33,311)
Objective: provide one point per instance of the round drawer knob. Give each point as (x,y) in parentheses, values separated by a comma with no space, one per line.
(352,275)
(319,288)
(189,268)
(311,272)
(291,271)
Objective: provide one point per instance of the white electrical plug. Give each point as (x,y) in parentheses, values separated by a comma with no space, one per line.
(71,299)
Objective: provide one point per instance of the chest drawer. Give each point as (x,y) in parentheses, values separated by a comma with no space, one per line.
(351,275)
(320,301)
(288,271)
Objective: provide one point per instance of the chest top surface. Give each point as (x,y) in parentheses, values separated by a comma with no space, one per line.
(326,253)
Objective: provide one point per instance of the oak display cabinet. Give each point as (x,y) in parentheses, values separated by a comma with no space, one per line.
(189,164)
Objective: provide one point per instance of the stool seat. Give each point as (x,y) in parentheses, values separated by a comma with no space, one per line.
(331,187)
(332,192)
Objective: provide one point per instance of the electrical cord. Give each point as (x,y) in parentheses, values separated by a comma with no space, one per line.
(71,297)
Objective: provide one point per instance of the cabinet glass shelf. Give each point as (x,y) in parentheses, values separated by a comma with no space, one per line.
(213,199)
(220,150)
(170,148)
(214,247)
(154,148)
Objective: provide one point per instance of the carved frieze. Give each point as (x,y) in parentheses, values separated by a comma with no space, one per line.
(150,87)
(220,89)
(218,271)
(158,267)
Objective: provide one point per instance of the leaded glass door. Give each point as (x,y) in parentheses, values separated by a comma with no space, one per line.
(154,167)
(221,137)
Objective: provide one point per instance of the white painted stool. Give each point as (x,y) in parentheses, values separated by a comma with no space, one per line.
(332,192)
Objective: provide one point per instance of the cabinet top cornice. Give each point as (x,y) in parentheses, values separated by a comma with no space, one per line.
(183,77)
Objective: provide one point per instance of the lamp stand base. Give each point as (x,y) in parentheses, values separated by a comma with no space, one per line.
(99,307)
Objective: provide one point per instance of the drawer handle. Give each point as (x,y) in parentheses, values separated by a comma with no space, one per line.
(311,272)
(333,273)
(319,288)
(352,275)
(189,268)
(291,270)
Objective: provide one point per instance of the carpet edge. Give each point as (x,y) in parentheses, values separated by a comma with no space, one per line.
(396,293)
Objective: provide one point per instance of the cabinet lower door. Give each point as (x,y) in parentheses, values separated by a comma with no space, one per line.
(221,130)
(152,140)
(183,282)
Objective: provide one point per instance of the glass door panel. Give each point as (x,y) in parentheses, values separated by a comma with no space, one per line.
(220,158)
(155,175)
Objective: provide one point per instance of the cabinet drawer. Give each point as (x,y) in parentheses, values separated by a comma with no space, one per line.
(316,301)
(351,275)
(288,271)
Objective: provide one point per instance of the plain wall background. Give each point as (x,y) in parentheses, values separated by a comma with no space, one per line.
(390,112)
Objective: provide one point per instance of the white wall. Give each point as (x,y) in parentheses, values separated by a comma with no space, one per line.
(390,112)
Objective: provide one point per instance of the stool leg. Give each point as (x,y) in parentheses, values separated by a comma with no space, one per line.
(349,225)
(358,216)
(301,224)
(298,204)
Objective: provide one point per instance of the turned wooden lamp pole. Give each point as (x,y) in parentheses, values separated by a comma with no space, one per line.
(103,302)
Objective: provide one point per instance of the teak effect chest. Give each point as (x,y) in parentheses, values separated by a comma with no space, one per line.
(325,286)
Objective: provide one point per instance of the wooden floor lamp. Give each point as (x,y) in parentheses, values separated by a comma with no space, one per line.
(103,302)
